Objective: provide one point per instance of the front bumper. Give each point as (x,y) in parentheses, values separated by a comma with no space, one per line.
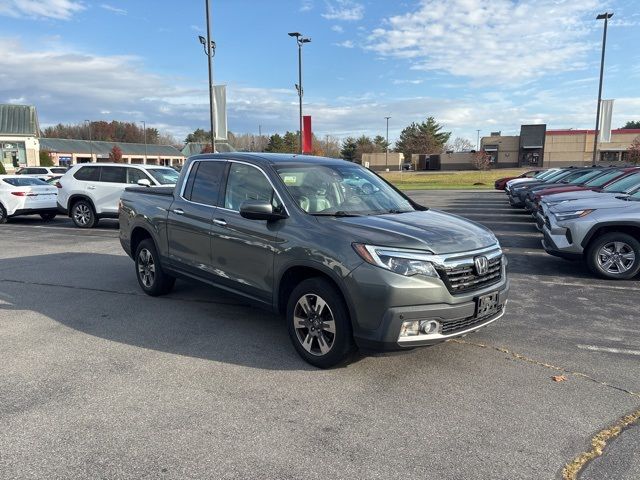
(559,240)
(515,200)
(386,300)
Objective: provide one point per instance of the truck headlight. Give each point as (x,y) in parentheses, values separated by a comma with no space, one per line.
(570,215)
(401,261)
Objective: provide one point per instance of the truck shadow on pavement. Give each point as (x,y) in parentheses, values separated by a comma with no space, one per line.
(98,295)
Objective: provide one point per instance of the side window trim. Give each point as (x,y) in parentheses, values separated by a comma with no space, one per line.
(226,179)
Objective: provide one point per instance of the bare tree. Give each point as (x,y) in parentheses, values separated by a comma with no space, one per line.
(460,145)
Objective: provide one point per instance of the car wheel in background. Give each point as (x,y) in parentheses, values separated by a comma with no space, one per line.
(318,323)
(151,278)
(614,255)
(83,215)
(3,214)
(47,217)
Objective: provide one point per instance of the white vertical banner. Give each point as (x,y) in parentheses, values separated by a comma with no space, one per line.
(220,111)
(606,109)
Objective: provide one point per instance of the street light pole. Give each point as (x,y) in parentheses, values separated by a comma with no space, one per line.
(210,51)
(90,142)
(603,16)
(300,40)
(386,151)
(478,141)
(144,124)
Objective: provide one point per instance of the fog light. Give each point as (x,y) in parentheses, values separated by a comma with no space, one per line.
(409,329)
(429,326)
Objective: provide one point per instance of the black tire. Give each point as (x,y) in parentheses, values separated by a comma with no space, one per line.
(3,214)
(340,342)
(153,281)
(83,214)
(605,246)
(47,217)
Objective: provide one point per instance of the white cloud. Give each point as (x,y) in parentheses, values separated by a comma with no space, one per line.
(51,9)
(411,82)
(344,10)
(493,41)
(196,28)
(345,44)
(306,5)
(337,28)
(111,8)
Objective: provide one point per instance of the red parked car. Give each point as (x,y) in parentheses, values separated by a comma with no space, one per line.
(502,182)
(598,183)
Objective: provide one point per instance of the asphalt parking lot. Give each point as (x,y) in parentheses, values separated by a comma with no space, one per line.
(100,381)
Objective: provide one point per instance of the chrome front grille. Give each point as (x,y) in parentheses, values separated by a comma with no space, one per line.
(464,278)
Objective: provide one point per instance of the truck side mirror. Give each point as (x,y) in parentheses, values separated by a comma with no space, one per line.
(259,210)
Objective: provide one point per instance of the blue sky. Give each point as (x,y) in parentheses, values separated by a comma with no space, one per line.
(473,64)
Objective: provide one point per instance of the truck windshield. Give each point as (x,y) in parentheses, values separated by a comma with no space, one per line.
(341,190)
(624,184)
(602,179)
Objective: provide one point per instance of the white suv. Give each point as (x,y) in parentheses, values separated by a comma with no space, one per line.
(91,191)
(43,173)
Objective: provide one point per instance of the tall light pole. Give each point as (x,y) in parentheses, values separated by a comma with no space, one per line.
(478,141)
(386,151)
(144,124)
(210,51)
(300,40)
(88,122)
(603,16)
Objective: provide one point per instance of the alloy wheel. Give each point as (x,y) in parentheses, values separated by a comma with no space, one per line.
(314,324)
(82,214)
(146,268)
(616,257)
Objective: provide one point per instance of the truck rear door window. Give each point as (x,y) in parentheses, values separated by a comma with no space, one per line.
(206,183)
(114,175)
(88,174)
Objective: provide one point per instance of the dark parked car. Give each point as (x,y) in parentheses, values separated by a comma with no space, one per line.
(501,183)
(348,266)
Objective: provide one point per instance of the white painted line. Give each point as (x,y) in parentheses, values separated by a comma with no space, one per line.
(595,348)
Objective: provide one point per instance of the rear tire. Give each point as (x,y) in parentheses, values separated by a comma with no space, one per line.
(318,323)
(614,255)
(151,277)
(47,217)
(3,214)
(83,215)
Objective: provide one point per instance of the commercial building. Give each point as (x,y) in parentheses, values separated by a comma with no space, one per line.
(537,146)
(69,152)
(19,132)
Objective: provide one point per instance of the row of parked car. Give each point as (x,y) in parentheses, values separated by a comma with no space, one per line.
(585,213)
(85,192)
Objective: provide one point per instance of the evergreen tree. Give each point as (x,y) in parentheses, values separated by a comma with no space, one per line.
(632,125)
(45,158)
(275,144)
(348,150)
(425,137)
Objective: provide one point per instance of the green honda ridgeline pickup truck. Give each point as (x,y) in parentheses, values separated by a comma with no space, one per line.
(348,259)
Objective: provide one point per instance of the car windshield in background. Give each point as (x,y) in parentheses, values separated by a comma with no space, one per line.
(602,179)
(59,170)
(164,176)
(341,190)
(624,184)
(24,182)
(584,178)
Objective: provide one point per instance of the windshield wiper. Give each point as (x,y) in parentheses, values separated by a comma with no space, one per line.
(396,210)
(339,213)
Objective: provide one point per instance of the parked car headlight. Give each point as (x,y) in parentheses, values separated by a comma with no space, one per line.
(401,261)
(561,216)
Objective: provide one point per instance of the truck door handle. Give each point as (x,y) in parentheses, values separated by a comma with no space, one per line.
(178,211)
(220,221)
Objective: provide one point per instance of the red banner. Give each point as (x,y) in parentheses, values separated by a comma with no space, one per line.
(307,143)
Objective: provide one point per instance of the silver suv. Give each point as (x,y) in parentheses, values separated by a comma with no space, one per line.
(606,234)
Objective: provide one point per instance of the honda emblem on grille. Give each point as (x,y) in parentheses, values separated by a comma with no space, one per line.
(481,264)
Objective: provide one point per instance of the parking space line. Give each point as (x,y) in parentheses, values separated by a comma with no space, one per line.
(595,348)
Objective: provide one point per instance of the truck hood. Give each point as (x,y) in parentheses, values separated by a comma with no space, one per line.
(431,230)
(556,190)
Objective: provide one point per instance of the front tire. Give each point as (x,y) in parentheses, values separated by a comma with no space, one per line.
(3,214)
(614,255)
(318,323)
(83,215)
(151,277)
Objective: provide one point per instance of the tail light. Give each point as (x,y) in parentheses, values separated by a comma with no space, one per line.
(24,194)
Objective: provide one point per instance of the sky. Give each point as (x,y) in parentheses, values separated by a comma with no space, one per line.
(490,65)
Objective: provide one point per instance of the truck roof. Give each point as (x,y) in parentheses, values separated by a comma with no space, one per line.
(271,158)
